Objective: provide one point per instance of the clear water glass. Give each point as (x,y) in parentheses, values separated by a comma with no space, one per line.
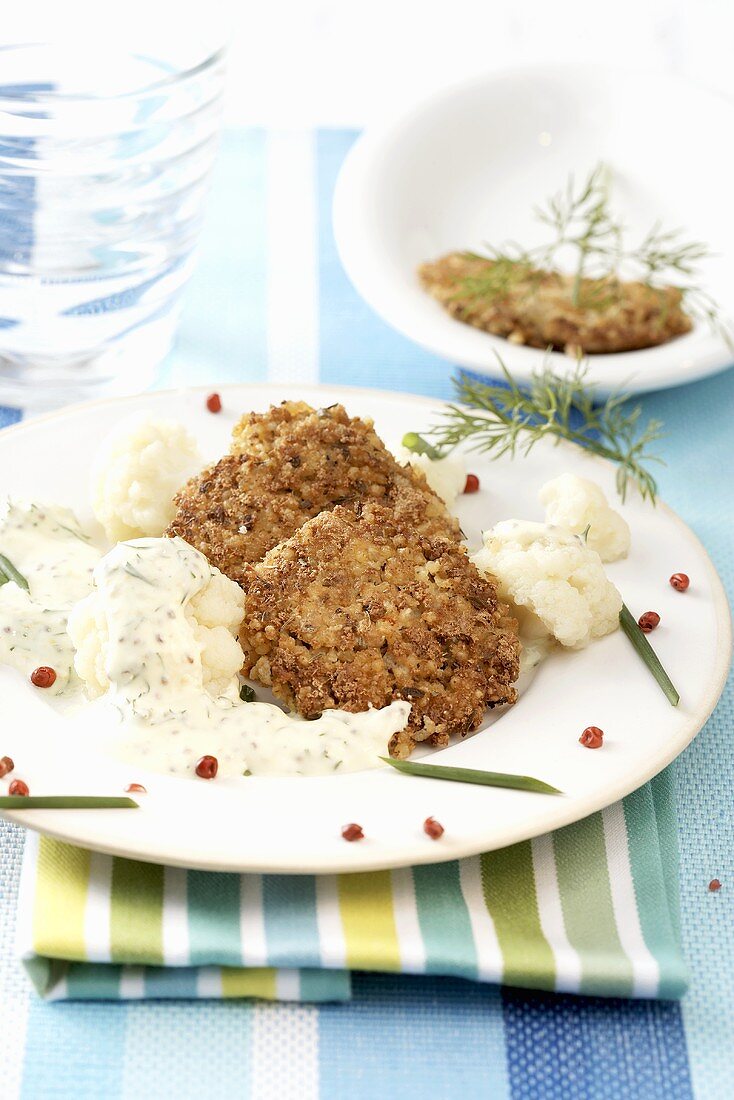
(105,153)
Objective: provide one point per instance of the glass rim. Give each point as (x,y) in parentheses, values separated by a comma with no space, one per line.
(209,61)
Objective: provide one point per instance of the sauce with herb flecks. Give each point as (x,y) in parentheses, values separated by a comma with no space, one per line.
(48,547)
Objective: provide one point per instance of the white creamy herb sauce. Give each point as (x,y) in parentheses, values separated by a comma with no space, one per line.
(47,546)
(256,738)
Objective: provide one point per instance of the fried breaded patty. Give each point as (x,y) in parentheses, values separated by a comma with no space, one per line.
(537,308)
(286,466)
(353,612)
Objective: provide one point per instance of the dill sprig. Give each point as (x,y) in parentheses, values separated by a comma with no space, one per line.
(582,220)
(593,242)
(504,419)
(509,269)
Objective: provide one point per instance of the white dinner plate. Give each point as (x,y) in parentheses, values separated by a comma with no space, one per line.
(293,824)
(469,164)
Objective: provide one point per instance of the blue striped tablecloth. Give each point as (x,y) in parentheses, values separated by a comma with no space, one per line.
(270,300)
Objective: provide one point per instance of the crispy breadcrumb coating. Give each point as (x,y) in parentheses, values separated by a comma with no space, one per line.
(355,611)
(537,308)
(288,465)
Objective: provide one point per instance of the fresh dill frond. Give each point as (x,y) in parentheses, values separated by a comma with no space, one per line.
(591,243)
(582,219)
(508,270)
(499,419)
(663,250)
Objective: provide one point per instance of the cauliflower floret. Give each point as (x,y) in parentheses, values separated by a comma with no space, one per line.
(446,476)
(577,503)
(554,575)
(159,612)
(137,472)
(221,657)
(215,614)
(220,603)
(87,628)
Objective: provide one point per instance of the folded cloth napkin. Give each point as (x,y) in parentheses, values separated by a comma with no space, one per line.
(591,909)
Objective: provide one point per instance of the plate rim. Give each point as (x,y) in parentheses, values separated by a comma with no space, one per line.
(713,357)
(36,819)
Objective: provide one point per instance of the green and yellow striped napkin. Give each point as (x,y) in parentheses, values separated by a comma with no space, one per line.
(591,909)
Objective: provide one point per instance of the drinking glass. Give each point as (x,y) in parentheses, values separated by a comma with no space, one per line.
(105,152)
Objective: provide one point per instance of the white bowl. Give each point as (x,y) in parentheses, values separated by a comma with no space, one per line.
(468,165)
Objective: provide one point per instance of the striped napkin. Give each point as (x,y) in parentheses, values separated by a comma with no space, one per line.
(591,909)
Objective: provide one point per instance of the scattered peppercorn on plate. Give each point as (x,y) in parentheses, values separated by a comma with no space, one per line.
(261,620)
